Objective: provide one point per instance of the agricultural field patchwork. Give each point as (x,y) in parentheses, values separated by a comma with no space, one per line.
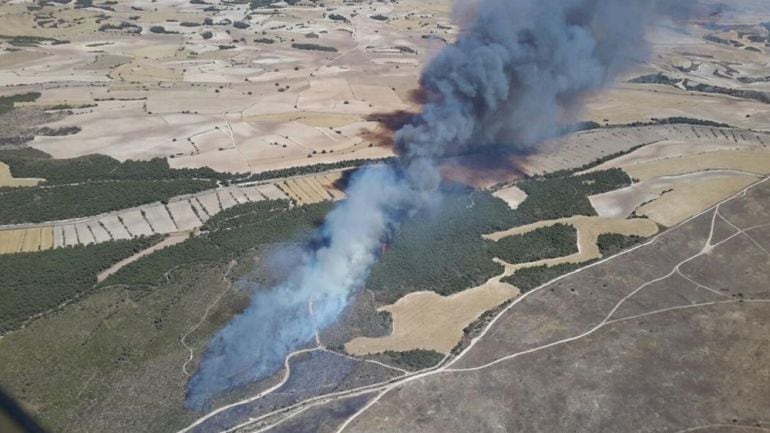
(168,166)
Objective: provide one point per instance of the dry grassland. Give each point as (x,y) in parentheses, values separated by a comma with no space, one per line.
(46,238)
(511,195)
(746,161)
(588,228)
(6,179)
(426,320)
(328,182)
(280,101)
(628,103)
(687,199)
(623,202)
(26,240)
(18,21)
(308,190)
(18,57)
(318,120)
(672,149)
(11,240)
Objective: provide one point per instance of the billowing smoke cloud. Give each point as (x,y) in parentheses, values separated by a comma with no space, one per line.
(521,67)
(517,72)
(254,344)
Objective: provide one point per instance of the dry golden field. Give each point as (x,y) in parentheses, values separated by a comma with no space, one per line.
(6,179)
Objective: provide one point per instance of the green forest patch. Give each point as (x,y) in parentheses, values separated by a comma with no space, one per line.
(444,251)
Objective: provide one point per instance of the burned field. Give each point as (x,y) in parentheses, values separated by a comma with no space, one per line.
(303,380)
(681,316)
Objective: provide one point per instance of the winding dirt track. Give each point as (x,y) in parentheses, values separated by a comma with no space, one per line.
(228,286)
(445,367)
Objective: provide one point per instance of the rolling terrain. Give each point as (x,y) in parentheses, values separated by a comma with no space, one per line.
(158,158)
(667,328)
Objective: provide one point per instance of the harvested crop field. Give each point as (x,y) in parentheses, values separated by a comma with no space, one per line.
(308,190)
(684,200)
(511,195)
(26,240)
(6,179)
(750,162)
(623,202)
(589,229)
(427,320)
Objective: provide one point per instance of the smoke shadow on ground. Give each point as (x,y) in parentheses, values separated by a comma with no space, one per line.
(485,169)
(389,123)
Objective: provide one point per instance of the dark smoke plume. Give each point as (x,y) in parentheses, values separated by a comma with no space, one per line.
(517,73)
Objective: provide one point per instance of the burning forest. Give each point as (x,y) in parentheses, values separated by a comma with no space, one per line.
(517,74)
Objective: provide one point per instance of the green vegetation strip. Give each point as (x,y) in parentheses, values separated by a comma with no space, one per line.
(30,162)
(412,360)
(313,47)
(548,242)
(97,168)
(7,102)
(531,278)
(93,184)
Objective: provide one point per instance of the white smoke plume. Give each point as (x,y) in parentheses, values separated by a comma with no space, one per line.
(278,321)
(515,73)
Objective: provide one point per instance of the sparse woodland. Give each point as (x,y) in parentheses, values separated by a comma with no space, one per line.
(33,283)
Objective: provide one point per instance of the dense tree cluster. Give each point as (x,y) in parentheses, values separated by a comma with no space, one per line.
(94,168)
(34,163)
(613,243)
(531,278)
(94,184)
(565,196)
(313,47)
(548,242)
(414,360)
(443,251)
